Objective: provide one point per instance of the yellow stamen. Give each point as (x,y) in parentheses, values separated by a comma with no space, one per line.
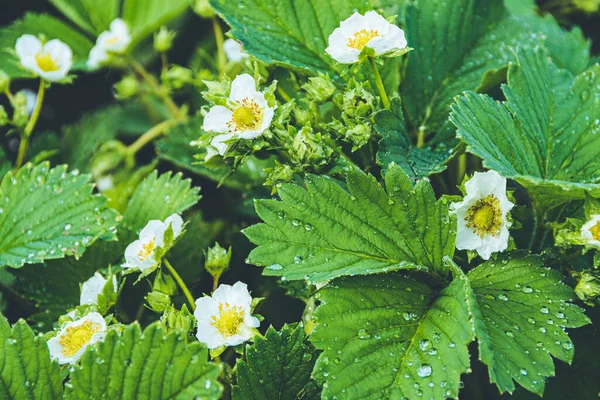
(361,38)
(76,337)
(485,216)
(247,116)
(46,63)
(595,231)
(229,320)
(147,249)
(112,40)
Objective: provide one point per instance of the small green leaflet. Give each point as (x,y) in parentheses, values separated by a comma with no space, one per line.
(146,16)
(50,213)
(26,371)
(396,146)
(521,310)
(322,231)
(278,366)
(389,336)
(149,365)
(545,135)
(157,197)
(293,33)
(90,15)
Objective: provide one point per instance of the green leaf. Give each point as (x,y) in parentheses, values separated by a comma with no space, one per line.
(90,15)
(52,28)
(323,232)
(157,197)
(146,16)
(26,371)
(389,336)
(148,365)
(458,42)
(545,135)
(50,213)
(292,33)
(520,311)
(396,146)
(277,366)
(53,287)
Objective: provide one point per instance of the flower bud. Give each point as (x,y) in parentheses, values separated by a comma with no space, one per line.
(20,114)
(217,260)
(177,76)
(203,9)
(163,39)
(164,283)
(320,88)
(588,287)
(177,320)
(359,135)
(4,82)
(158,301)
(280,173)
(109,158)
(358,102)
(126,88)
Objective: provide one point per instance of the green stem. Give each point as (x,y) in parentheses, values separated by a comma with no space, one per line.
(222,59)
(420,138)
(379,82)
(181,284)
(30,125)
(462,168)
(150,135)
(157,88)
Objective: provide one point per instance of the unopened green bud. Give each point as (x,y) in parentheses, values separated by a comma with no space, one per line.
(588,287)
(158,301)
(20,114)
(163,39)
(203,9)
(4,82)
(302,116)
(109,158)
(587,6)
(3,116)
(178,320)
(164,283)
(176,77)
(358,102)
(126,88)
(359,135)
(217,260)
(320,88)
(280,173)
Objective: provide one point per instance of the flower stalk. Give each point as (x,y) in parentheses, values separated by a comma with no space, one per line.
(379,83)
(181,283)
(30,125)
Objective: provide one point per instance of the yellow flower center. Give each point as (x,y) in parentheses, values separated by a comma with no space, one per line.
(147,249)
(45,62)
(485,216)
(247,116)
(229,320)
(76,337)
(595,231)
(361,38)
(112,40)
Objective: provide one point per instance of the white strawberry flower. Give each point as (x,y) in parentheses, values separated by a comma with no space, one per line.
(234,50)
(482,223)
(590,231)
(114,41)
(93,287)
(247,115)
(74,337)
(140,254)
(225,318)
(370,30)
(51,61)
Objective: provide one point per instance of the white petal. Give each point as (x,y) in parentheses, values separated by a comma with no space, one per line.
(234,50)
(28,46)
(96,58)
(176,223)
(377,22)
(152,229)
(91,289)
(346,55)
(338,39)
(218,142)
(119,28)
(243,86)
(216,120)
(353,24)
(210,336)
(223,293)
(239,295)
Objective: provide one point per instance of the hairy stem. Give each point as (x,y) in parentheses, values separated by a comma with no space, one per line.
(222,60)
(150,135)
(181,283)
(30,125)
(379,82)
